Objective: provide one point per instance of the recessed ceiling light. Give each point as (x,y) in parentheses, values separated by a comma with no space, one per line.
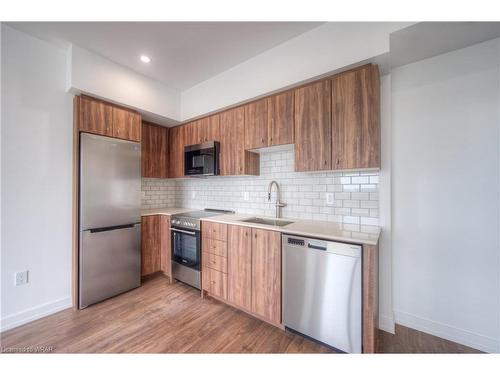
(145,59)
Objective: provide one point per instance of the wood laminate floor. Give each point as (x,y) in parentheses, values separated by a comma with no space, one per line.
(160,317)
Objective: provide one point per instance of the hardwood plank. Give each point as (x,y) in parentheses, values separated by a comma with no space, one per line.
(313,130)
(240,266)
(266,274)
(280,112)
(160,317)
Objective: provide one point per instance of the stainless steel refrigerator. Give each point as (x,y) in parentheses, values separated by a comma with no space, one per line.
(110,205)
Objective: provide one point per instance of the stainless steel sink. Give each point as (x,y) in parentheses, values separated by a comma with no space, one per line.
(260,220)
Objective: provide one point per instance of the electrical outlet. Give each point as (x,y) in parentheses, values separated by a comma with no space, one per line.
(329,199)
(21,278)
(246,196)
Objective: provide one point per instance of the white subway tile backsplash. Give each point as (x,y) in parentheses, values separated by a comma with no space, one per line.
(355,192)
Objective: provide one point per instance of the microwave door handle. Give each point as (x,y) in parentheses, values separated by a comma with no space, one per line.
(183,231)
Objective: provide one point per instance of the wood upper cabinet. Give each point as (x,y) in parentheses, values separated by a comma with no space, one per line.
(356,119)
(192,133)
(98,117)
(313,129)
(280,109)
(154,151)
(95,116)
(256,128)
(126,124)
(209,129)
(266,274)
(150,244)
(239,257)
(234,159)
(176,152)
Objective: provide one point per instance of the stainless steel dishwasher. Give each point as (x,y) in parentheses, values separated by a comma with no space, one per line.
(322,291)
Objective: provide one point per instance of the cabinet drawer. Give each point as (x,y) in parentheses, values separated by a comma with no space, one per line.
(214,247)
(216,231)
(215,262)
(215,282)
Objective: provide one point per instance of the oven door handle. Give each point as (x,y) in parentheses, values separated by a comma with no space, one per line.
(183,231)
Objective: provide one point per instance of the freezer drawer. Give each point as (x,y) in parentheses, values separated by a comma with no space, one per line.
(110,263)
(322,291)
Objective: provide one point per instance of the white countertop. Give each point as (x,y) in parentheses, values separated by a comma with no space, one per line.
(165,211)
(309,228)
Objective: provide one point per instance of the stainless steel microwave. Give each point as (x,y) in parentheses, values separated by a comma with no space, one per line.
(202,159)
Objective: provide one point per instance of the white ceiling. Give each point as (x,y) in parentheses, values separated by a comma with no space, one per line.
(183,53)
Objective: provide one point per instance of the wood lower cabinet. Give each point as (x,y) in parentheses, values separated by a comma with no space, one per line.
(356,119)
(150,244)
(240,266)
(95,116)
(313,127)
(266,274)
(251,278)
(154,151)
(176,152)
(214,259)
(155,245)
(234,159)
(280,110)
(256,128)
(126,124)
(165,246)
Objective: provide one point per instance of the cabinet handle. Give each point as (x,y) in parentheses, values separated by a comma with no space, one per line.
(255,235)
(338,161)
(325,162)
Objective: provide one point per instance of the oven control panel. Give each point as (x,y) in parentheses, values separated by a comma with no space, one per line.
(187,223)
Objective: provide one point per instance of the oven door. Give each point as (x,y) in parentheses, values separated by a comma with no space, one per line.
(186,247)
(202,159)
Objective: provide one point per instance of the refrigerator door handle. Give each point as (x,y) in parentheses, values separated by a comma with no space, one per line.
(114,227)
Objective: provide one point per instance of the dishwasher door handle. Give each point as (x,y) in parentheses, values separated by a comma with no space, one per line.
(316,247)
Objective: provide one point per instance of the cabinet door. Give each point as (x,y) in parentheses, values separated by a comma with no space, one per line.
(232,130)
(176,152)
(154,151)
(280,119)
(192,133)
(95,117)
(356,119)
(266,274)
(313,129)
(126,124)
(239,269)
(218,283)
(150,244)
(256,130)
(165,245)
(209,128)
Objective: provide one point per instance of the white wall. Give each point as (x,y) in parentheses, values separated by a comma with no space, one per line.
(323,49)
(36,157)
(93,74)
(445,172)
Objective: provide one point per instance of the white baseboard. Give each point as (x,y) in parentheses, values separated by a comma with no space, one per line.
(34,313)
(386,323)
(458,335)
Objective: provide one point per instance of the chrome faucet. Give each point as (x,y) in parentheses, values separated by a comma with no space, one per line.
(278,204)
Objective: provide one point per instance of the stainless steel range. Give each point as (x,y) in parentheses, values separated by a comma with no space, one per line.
(186,244)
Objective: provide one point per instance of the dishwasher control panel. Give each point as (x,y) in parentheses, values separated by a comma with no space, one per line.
(296,241)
